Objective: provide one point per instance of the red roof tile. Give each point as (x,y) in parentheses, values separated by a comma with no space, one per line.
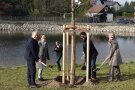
(96,8)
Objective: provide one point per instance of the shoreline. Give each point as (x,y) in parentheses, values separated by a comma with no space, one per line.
(54,27)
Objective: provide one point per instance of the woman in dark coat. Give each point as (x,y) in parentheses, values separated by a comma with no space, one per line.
(43,55)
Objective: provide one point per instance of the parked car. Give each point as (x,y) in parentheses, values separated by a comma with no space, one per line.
(124,21)
(129,21)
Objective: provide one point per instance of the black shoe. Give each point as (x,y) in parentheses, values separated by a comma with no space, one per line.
(83,67)
(117,79)
(41,79)
(33,86)
(59,69)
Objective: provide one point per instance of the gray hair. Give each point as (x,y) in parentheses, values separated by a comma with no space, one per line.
(34,32)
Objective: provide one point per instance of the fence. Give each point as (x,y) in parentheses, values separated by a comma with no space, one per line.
(40,18)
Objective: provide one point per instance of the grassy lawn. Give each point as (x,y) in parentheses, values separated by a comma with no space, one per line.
(15,78)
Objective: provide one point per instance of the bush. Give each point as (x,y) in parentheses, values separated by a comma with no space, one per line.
(127,14)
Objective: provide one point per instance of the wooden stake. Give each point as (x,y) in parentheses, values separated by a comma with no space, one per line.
(72,46)
(64,47)
(72,77)
(88,61)
(67,34)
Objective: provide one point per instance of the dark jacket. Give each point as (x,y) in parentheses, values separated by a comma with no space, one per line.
(93,51)
(31,50)
(58,50)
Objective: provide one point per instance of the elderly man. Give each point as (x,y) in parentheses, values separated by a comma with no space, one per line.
(31,56)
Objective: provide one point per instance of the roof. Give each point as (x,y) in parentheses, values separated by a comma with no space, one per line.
(111,3)
(96,8)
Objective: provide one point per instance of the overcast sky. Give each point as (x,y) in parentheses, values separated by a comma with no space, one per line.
(123,1)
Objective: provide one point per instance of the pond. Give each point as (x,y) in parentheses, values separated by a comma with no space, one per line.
(12,47)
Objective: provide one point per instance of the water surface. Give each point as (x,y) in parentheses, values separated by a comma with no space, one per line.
(12,47)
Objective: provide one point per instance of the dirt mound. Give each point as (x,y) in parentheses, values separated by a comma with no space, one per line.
(57,82)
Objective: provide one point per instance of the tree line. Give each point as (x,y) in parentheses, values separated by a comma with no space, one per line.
(34,7)
(53,8)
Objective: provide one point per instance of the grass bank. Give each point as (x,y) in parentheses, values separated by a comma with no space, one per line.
(15,78)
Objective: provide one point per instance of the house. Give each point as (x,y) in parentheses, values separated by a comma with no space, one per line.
(100,13)
(95,2)
(112,4)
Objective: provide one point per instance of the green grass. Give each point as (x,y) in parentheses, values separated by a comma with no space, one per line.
(15,78)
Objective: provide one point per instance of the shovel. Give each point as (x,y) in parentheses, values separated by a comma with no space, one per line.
(44,64)
(98,68)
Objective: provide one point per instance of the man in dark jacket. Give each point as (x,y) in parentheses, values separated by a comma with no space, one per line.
(31,56)
(93,55)
(58,49)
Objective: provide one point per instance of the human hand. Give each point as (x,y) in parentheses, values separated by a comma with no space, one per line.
(40,61)
(57,46)
(106,59)
(55,49)
(84,60)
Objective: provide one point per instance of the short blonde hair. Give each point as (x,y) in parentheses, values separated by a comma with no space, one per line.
(112,34)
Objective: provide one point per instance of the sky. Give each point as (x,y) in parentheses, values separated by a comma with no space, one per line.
(123,1)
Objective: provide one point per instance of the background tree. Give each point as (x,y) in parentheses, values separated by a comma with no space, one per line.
(58,7)
(82,9)
(6,9)
(132,4)
(128,8)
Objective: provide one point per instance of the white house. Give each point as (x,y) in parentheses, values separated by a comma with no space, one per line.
(100,13)
(112,4)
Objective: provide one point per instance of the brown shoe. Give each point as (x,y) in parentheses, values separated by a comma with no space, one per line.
(93,79)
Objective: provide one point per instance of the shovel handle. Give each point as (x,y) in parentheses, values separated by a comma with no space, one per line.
(44,64)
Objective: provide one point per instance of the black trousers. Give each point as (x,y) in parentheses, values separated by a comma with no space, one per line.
(111,72)
(31,73)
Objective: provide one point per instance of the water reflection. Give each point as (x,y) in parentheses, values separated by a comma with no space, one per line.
(12,47)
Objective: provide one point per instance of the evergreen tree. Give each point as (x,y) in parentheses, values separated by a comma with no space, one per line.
(127,7)
(132,4)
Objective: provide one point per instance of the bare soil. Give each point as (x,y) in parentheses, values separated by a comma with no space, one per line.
(57,82)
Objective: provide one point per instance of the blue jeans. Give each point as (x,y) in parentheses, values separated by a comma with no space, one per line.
(58,61)
(93,66)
